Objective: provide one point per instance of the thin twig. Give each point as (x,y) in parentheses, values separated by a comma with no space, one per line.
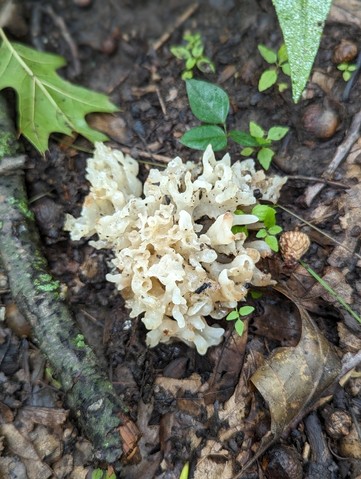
(164,38)
(145,154)
(336,184)
(342,150)
(318,230)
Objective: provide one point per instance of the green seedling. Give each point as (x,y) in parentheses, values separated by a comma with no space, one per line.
(192,53)
(260,142)
(347,69)
(236,316)
(79,341)
(185,471)
(279,62)
(267,216)
(210,104)
(101,474)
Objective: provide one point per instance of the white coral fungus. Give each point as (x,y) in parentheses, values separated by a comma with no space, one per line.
(176,259)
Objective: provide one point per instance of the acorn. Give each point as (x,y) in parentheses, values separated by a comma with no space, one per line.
(344,52)
(321,120)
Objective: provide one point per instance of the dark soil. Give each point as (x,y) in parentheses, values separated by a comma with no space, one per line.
(164,387)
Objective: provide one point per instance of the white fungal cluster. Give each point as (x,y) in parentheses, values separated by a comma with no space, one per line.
(176,260)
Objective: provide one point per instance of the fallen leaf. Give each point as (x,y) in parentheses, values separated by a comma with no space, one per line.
(293,378)
(46,102)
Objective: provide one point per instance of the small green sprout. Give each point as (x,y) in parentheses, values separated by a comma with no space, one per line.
(347,69)
(260,142)
(236,316)
(185,471)
(266,215)
(210,104)
(101,474)
(192,54)
(279,61)
(79,341)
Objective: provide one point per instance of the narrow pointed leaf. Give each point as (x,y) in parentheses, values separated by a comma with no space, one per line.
(302,24)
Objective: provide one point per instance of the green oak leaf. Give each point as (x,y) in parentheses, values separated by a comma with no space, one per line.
(46,103)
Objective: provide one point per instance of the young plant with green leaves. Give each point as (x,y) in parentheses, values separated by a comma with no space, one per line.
(269,229)
(46,103)
(347,69)
(192,53)
(279,62)
(237,316)
(259,142)
(210,104)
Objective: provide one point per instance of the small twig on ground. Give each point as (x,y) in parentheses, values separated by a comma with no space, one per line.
(145,154)
(180,20)
(100,411)
(318,230)
(161,102)
(342,150)
(336,184)
(59,22)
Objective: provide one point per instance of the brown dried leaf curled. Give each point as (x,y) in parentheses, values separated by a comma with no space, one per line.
(293,378)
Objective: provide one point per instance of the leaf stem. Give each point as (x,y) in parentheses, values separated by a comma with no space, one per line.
(330,290)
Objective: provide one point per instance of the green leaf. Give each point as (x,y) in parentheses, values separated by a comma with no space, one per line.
(274,230)
(282,54)
(197,50)
(272,243)
(205,65)
(46,102)
(282,87)
(190,63)
(247,151)
(187,75)
(286,69)
(256,294)
(232,316)
(264,156)
(180,52)
(185,471)
(265,213)
(267,54)
(268,78)
(245,310)
(208,102)
(342,66)
(202,136)
(302,25)
(261,233)
(239,326)
(98,474)
(239,229)
(352,68)
(276,133)
(243,138)
(346,75)
(255,130)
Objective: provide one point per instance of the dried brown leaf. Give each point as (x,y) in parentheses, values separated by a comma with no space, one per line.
(293,378)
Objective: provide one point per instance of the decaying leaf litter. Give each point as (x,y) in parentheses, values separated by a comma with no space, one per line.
(201,409)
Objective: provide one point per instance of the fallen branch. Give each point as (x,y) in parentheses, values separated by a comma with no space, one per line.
(89,394)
